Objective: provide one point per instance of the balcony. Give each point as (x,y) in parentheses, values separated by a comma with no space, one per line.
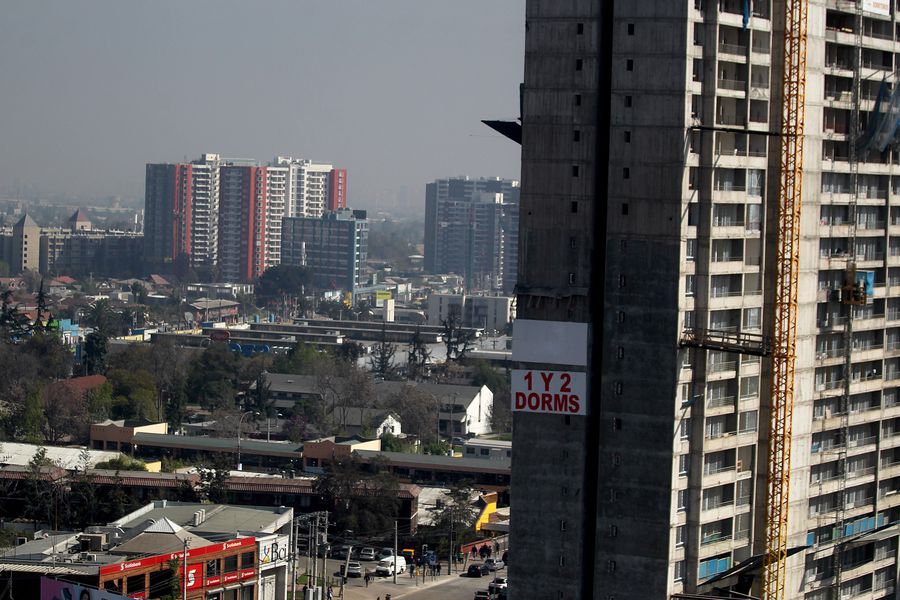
(733,49)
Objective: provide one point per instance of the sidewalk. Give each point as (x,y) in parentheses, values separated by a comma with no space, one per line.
(355,589)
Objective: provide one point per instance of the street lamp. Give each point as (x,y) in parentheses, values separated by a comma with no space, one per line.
(269,426)
(240,421)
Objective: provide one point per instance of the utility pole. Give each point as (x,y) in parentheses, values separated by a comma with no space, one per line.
(184,570)
(315,557)
(295,531)
(450,555)
(325,554)
(395,552)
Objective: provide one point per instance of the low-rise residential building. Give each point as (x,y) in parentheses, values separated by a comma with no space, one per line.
(487,449)
(119,434)
(490,313)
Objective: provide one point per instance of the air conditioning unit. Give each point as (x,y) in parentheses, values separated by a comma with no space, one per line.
(89,557)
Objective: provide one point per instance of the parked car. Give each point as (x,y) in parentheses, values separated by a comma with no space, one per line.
(354,570)
(367,554)
(494,564)
(385,552)
(387,566)
(482,595)
(499,583)
(477,570)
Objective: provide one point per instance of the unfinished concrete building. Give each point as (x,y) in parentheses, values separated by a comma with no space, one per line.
(650,171)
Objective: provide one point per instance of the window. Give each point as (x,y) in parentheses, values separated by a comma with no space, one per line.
(212,568)
(624,208)
(577,99)
(248,560)
(690,253)
(752,318)
(579,64)
(576,135)
(627,135)
(631,29)
(626,173)
(679,570)
(562,525)
(579,28)
(629,65)
(747,421)
(684,463)
(135,584)
(685,428)
(574,207)
(485,452)
(680,534)
(682,500)
(575,170)
(689,285)
(627,101)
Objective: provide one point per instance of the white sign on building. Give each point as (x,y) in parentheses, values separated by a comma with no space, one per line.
(878,7)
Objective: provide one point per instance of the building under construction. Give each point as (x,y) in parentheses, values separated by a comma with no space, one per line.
(708,230)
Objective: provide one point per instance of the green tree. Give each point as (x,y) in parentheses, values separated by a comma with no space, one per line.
(53,356)
(95,351)
(134,394)
(212,487)
(41,491)
(391,443)
(139,292)
(382,360)
(122,463)
(282,284)
(302,359)
(82,498)
(365,503)
(213,378)
(28,417)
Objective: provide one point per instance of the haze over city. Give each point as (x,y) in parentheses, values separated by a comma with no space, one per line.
(393,91)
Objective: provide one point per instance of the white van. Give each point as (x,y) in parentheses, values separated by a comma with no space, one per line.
(386,566)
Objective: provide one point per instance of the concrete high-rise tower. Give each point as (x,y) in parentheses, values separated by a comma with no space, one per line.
(650,173)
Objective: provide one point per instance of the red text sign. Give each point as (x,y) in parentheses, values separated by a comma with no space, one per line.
(553,392)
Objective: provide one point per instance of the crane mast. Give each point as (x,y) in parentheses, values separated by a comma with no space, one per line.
(787,265)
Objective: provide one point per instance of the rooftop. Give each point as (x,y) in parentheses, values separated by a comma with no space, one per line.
(12,453)
(219,518)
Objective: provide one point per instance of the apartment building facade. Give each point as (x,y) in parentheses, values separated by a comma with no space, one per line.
(471,229)
(675,194)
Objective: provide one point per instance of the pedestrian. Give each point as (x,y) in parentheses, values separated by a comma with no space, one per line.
(439,568)
(330,593)
(367,578)
(474,552)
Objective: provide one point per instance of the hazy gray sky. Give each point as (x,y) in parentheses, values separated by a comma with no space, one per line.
(393,90)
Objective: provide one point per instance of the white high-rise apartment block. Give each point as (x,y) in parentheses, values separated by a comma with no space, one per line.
(307,186)
(205,210)
(276,202)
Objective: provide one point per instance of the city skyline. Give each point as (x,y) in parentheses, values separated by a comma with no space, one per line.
(414,97)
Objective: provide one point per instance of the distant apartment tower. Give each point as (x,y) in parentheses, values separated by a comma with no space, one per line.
(181,212)
(312,188)
(475,310)
(333,246)
(168,202)
(471,229)
(243,220)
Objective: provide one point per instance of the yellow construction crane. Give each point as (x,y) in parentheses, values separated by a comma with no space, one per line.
(784,336)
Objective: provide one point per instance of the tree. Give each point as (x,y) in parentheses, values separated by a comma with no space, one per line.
(282,285)
(391,443)
(344,387)
(54,358)
(95,351)
(213,378)
(102,318)
(41,491)
(364,503)
(212,487)
(417,357)
(301,359)
(122,463)
(82,498)
(382,360)
(139,292)
(295,428)
(65,414)
(455,513)
(457,338)
(134,394)
(418,411)
(349,352)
